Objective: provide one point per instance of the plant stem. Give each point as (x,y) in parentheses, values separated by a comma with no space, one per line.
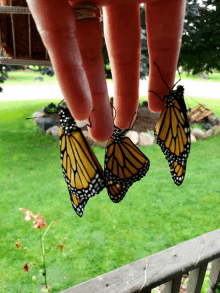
(43,253)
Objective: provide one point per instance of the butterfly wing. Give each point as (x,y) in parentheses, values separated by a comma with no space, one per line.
(81,169)
(78,204)
(172,134)
(124,165)
(178,170)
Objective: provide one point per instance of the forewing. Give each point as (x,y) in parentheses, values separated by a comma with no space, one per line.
(82,172)
(124,165)
(172,134)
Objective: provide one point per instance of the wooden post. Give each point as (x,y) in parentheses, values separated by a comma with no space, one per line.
(196,278)
(214,275)
(172,286)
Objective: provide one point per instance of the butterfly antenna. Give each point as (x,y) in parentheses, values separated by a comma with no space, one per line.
(156,95)
(60,103)
(175,84)
(90,123)
(54,114)
(198,102)
(132,120)
(187,103)
(162,76)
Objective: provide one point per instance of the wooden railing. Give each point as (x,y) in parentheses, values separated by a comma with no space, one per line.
(165,267)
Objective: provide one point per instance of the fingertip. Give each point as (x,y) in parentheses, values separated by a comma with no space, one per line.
(80,111)
(101,124)
(154,103)
(101,134)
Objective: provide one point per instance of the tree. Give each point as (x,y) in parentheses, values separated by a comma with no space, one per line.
(200,49)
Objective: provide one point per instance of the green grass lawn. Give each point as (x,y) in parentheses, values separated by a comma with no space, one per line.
(27,78)
(213,77)
(214,105)
(154,215)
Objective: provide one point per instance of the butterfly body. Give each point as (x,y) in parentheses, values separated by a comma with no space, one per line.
(124,165)
(172,133)
(81,169)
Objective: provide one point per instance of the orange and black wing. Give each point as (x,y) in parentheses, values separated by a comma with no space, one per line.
(172,134)
(81,169)
(124,165)
(177,171)
(78,204)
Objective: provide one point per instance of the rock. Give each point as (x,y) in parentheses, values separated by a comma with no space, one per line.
(134,136)
(211,118)
(153,137)
(55,131)
(101,144)
(44,123)
(48,131)
(86,134)
(37,115)
(215,130)
(207,126)
(146,139)
(208,133)
(193,139)
(198,133)
(216,121)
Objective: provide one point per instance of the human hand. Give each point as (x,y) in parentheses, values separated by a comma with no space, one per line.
(75,49)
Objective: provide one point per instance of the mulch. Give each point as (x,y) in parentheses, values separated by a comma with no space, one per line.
(146,120)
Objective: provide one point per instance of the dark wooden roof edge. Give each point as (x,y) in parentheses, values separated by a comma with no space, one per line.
(155,269)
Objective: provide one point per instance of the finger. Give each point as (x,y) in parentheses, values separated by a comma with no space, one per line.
(89,36)
(56,25)
(122,35)
(164,21)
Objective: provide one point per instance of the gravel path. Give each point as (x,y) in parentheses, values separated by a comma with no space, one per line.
(202,89)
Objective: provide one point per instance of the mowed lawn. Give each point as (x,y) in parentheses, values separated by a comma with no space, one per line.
(22,77)
(154,215)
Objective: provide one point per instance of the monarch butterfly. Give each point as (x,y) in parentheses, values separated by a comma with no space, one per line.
(81,169)
(172,132)
(124,164)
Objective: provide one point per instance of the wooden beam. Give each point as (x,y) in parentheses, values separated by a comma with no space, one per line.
(156,269)
(196,278)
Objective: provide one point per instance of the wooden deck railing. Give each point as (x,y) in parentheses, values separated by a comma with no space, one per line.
(165,267)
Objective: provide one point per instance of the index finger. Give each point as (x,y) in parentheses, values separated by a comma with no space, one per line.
(56,25)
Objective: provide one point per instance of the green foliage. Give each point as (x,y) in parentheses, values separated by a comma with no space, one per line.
(154,215)
(51,109)
(197,126)
(200,50)
(200,41)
